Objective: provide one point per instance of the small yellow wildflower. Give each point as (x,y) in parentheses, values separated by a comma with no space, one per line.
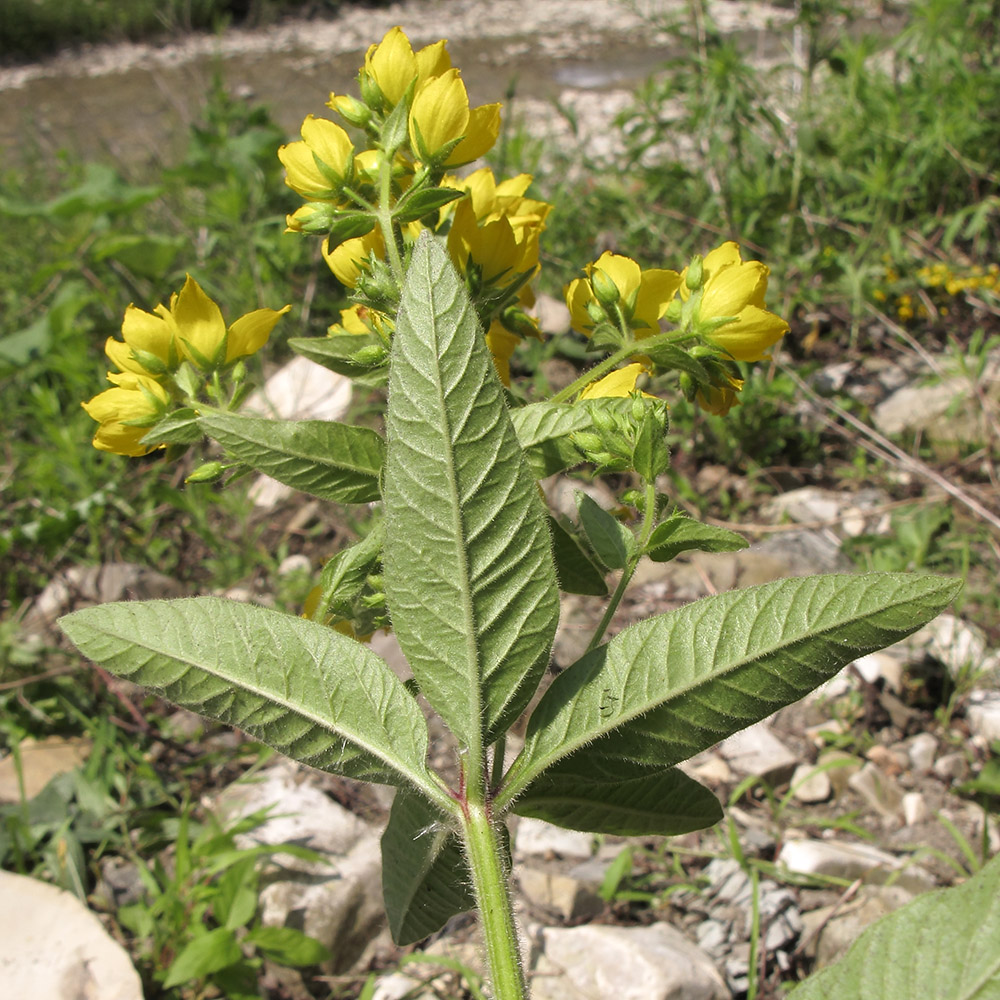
(643,295)
(392,65)
(318,167)
(441,114)
(350,258)
(191,328)
(126,412)
(500,250)
(735,288)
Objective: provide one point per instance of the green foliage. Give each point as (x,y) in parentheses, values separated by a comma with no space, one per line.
(941,945)
(198,925)
(467,547)
(917,540)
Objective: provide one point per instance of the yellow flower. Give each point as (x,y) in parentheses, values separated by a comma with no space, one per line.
(643,295)
(191,328)
(491,200)
(441,114)
(360,320)
(319,165)
(126,412)
(501,343)
(620,382)
(392,64)
(350,258)
(500,251)
(734,287)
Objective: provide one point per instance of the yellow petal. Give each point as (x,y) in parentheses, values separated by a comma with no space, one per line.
(440,113)
(732,288)
(619,383)
(657,287)
(623,271)
(250,332)
(751,334)
(392,64)
(577,294)
(347,259)
(200,326)
(125,402)
(481,134)
(301,173)
(330,143)
(432,60)
(501,343)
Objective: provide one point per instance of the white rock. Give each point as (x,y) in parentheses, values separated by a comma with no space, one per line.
(851,861)
(922,750)
(552,315)
(570,898)
(535,836)
(810,784)
(299,562)
(916,406)
(655,962)
(877,789)
(983,714)
(881,665)
(914,808)
(53,948)
(757,751)
(961,647)
(952,766)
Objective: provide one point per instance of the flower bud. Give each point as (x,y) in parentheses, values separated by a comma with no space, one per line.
(695,272)
(674,310)
(210,472)
(353,111)
(605,290)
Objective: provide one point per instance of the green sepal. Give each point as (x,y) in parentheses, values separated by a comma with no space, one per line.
(576,571)
(680,533)
(610,540)
(604,793)
(179,427)
(343,577)
(330,460)
(650,455)
(425,880)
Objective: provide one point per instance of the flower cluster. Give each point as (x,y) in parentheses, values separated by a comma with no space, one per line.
(716,302)
(154,346)
(371,203)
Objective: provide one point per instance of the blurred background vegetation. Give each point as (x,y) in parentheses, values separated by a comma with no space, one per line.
(866,172)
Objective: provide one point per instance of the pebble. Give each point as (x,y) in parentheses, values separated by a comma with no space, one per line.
(757,751)
(878,789)
(849,860)
(536,837)
(914,808)
(922,750)
(811,784)
(983,714)
(952,766)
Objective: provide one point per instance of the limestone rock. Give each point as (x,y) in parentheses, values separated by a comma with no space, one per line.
(572,899)
(757,751)
(40,762)
(810,784)
(655,962)
(983,714)
(53,948)
(851,861)
(877,789)
(536,837)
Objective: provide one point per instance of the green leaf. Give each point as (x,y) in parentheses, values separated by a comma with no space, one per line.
(680,533)
(682,681)
(941,945)
(179,427)
(599,794)
(543,430)
(330,460)
(576,571)
(671,357)
(235,899)
(311,693)
(288,946)
(207,953)
(424,202)
(340,352)
(425,880)
(610,539)
(469,575)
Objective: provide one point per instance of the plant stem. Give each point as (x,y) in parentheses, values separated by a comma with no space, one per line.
(648,523)
(492,888)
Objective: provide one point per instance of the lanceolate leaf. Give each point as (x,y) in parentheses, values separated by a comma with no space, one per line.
(543,430)
(332,461)
(577,572)
(682,681)
(611,541)
(597,794)
(425,880)
(942,945)
(347,353)
(680,533)
(315,695)
(469,574)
